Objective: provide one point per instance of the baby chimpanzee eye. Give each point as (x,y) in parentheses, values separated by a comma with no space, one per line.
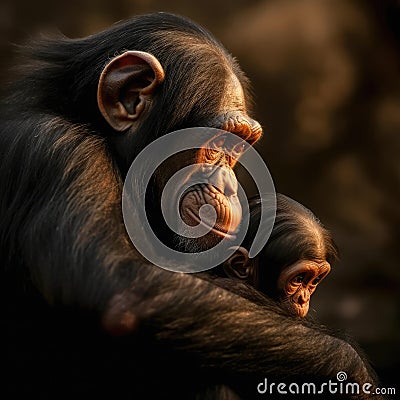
(317,280)
(298,278)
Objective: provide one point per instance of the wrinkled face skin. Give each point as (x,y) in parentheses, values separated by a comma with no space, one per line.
(220,187)
(297,283)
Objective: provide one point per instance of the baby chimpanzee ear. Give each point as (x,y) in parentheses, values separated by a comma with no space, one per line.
(238,265)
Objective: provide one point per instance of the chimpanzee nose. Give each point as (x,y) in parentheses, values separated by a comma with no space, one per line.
(303,298)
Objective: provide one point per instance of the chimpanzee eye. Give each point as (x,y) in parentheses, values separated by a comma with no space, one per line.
(219,142)
(317,280)
(239,148)
(298,278)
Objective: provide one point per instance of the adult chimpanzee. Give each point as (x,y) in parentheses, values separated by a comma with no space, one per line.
(296,258)
(73,122)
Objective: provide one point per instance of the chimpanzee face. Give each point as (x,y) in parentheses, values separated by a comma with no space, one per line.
(217,159)
(294,287)
(297,282)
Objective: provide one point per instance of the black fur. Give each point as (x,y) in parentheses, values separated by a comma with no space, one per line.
(65,253)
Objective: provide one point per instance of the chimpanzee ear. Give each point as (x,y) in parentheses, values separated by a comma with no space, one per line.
(238,265)
(126,88)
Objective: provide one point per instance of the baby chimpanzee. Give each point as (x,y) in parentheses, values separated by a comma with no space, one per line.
(296,258)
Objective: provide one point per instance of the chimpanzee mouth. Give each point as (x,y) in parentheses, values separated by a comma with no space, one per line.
(296,309)
(219,231)
(226,210)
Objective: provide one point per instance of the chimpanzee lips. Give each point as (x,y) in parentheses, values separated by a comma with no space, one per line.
(227,209)
(301,310)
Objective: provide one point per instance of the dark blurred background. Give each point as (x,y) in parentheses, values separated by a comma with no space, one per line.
(326,77)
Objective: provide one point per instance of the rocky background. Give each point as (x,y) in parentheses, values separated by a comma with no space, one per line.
(326,77)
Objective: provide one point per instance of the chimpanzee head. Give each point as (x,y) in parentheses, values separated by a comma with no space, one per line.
(296,258)
(169,74)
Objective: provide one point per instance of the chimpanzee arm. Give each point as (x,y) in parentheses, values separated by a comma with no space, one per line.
(71,236)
